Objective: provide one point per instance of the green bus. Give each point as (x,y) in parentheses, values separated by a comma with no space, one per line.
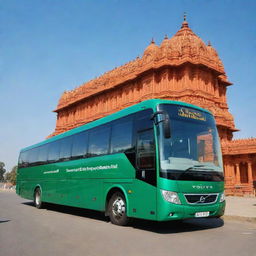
(157,160)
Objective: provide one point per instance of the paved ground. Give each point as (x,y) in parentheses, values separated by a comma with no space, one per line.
(241,206)
(58,230)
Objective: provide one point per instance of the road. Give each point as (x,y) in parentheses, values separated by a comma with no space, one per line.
(59,230)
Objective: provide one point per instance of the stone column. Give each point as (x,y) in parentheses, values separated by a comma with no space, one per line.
(250,179)
(232,173)
(226,171)
(238,180)
(228,178)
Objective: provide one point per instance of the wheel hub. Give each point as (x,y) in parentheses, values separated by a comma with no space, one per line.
(118,207)
(37,198)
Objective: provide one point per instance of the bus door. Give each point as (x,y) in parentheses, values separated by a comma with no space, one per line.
(145,164)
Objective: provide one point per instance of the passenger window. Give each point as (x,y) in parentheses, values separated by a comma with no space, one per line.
(65,148)
(146,150)
(79,147)
(121,135)
(143,120)
(54,151)
(33,156)
(23,159)
(42,156)
(99,141)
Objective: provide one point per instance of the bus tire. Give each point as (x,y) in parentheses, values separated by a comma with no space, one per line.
(117,209)
(38,198)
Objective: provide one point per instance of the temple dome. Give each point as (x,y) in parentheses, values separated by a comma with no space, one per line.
(186,41)
(214,56)
(151,52)
(187,46)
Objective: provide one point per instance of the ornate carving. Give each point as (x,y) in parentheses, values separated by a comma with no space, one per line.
(182,68)
(239,146)
(183,47)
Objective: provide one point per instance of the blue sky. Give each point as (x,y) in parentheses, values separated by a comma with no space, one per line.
(49,46)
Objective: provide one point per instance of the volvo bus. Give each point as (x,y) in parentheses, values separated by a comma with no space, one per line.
(157,160)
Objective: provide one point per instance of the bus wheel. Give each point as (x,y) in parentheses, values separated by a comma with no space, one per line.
(38,198)
(117,209)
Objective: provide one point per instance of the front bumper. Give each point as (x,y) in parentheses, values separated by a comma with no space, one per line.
(168,211)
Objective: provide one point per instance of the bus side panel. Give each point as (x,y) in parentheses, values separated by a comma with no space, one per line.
(143,201)
(140,197)
(75,183)
(25,188)
(84,193)
(85,179)
(26,180)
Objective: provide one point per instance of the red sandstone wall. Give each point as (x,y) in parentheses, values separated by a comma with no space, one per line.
(187,83)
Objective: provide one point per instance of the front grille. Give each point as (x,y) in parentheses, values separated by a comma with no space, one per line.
(201,198)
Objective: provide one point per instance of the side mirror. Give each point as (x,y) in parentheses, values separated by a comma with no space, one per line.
(164,118)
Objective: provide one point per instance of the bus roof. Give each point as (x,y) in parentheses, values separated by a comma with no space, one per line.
(152,103)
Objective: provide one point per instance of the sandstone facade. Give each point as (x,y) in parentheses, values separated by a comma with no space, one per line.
(181,68)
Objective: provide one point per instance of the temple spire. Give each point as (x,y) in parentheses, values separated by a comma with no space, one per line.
(185,16)
(184,23)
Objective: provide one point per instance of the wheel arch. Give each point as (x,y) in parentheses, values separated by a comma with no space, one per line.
(35,188)
(111,190)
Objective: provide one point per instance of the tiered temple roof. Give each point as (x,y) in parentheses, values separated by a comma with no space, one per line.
(239,146)
(181,68)
(184,47)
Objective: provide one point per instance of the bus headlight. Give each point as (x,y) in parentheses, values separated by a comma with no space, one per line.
(170,196)
(222,197)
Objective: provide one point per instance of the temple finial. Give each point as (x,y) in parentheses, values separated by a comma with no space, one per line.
(152,40)
(209,43)
(165,37)
(184,23)
(185,16)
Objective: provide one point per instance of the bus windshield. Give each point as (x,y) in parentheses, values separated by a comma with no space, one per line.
(193,150)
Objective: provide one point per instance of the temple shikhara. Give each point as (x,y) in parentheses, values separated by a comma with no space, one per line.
(181,68)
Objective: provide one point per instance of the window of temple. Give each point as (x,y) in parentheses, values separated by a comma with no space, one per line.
(243,172)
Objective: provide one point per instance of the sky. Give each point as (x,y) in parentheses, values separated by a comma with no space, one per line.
(49,46)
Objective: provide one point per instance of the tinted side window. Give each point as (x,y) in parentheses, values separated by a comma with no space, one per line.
(146,150)
(54,151)
(65,148)
(143,120)
(20,160)
(42,155)
(121,135)
(99,140)
(80,142)
(23,159)
(33,156)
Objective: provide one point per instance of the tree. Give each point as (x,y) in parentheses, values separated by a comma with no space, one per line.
(2,170)
(11,176)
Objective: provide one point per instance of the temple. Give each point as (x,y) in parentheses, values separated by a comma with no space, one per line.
(181,68)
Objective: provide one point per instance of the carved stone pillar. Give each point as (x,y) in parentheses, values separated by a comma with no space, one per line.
(238,179)
(232,173)
(229,177)
(250,179)
(226,170)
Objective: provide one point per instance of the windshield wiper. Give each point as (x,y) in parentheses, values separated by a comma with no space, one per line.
(198,167)
(195,168)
